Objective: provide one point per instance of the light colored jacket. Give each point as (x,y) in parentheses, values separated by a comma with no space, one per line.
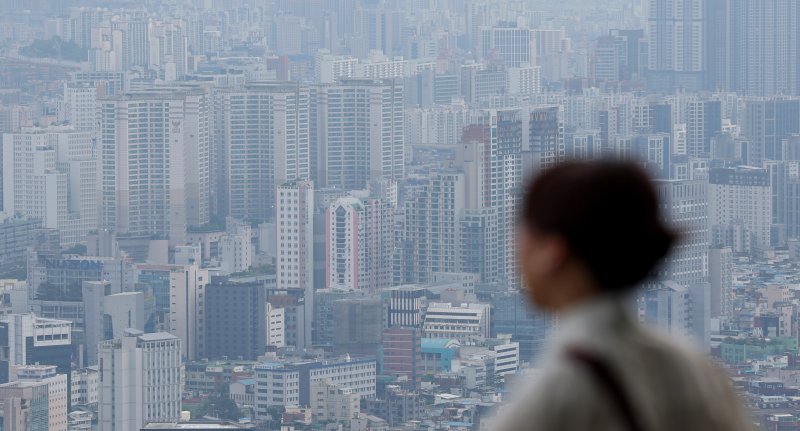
(669,387)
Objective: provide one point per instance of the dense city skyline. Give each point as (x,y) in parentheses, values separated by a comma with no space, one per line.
(256,214)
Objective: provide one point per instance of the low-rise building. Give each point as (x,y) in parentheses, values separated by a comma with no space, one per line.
(289,384)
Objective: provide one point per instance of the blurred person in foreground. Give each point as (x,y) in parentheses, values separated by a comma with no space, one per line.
(590,233)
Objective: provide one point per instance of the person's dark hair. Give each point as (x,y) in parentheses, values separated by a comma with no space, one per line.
(607,212)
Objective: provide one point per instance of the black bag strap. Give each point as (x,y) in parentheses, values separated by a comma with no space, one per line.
(606,378)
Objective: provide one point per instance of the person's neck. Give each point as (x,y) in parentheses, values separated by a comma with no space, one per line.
(575,288)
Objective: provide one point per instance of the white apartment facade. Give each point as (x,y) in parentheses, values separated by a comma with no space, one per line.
(50,174)
(360,244)
(267,133)
(141,381)
(154,162)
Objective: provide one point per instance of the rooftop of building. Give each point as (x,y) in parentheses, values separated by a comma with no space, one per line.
(439,343)
(156,336)
(196,425)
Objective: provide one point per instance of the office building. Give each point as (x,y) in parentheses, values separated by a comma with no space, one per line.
(154,160)
(289,384)
(401,354)
(33,340)
(187,285)
(360,133)
(16,235)
(406,305)
(465,322)
(25,406)
(108,315)
(57,392)
(276,326)
(530,328)
(358,326)
(267,141)
(235,324)
(141,380)
(324,316)
(360,243)
(667,305)
(50,175)
(506,361)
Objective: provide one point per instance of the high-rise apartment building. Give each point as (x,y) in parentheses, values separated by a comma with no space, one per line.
(267,133)
(50,175)
(764,39)
(154,161)
(294,262)
(294,224)
(132,39)
(515,46)
(703,122)
(767,122)
(740,208)
(329,68)
(684,206)
(431,222)
(359,133)
(141,380)
(80,106)
(546,136)
(360,243)
(167,49)
(751,46)
(675,30)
